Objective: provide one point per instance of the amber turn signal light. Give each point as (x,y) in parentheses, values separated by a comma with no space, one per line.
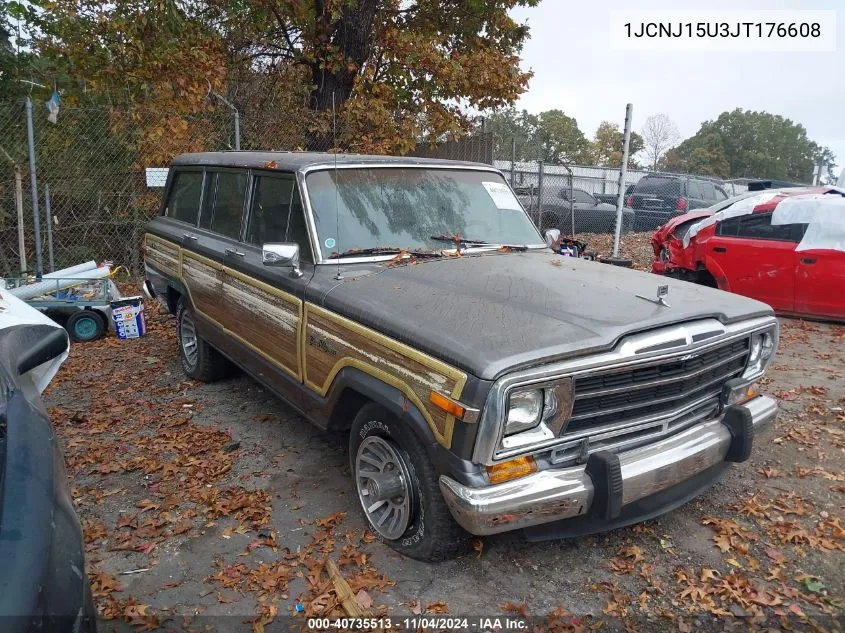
(511,469)
(447,404)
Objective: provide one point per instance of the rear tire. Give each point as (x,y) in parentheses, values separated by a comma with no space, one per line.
(85,325)
(415,520)
(200,360)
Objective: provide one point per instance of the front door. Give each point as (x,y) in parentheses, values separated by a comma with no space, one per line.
(756,259)
(264,304)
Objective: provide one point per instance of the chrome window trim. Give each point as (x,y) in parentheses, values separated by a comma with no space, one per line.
(302,173)
(626,353)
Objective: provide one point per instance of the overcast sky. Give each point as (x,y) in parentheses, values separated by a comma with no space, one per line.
(576,71)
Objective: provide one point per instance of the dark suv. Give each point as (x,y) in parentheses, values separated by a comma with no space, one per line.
(658,197)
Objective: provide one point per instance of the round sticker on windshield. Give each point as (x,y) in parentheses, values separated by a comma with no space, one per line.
(330,243)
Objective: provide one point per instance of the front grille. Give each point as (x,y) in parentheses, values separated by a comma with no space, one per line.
(654,390)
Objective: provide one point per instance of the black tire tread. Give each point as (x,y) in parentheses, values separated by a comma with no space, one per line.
(211,365)
(445,539)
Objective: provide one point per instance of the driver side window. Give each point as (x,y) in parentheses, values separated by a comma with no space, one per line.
(276,214)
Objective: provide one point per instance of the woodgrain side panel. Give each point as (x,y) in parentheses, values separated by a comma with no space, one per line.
(333,342)
(204,281)
(162,254)
(265,318)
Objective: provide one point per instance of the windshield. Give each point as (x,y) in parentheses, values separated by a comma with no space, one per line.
(407,207)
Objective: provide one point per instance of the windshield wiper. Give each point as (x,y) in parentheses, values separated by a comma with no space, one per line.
(457,239)
(463,241)
(383,250)
(364,252)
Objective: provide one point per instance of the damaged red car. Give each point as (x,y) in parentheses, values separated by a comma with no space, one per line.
(785,247)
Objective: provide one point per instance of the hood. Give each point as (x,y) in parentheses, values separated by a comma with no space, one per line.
(663,233)
(494,313)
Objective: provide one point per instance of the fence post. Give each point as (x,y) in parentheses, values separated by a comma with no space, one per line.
(49,213)
(237,130)
(19,209)
(513,160)
(539,193)
(620,197)
(36,217)
(571,199)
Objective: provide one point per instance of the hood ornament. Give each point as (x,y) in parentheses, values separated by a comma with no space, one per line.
(662,293)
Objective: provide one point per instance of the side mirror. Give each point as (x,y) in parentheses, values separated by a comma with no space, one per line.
(552,236)
(282,254)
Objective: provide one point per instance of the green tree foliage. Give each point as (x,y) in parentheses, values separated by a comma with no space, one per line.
(750,144)
(606,146)
(551,136)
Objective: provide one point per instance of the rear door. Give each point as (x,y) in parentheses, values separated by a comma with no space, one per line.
(213,242)
(749,256)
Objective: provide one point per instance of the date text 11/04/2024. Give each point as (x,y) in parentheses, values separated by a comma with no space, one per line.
(722,29)
(492,624)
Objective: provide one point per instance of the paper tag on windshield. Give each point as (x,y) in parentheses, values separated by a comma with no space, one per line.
(502,196)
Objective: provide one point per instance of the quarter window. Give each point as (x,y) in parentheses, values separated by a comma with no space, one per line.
(184,200)
(229,203)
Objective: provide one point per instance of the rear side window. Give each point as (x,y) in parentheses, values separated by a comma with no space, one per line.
(184,199)
(659,186)
(583,197)
(696,190)
(758,226)
(229,203)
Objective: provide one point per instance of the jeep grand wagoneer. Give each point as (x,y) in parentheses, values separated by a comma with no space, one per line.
(488,383)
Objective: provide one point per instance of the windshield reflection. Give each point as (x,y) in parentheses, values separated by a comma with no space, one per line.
(409,208)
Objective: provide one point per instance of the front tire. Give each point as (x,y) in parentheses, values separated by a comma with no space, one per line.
(200,360)
(398,489)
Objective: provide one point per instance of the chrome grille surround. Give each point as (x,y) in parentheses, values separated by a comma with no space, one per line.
(707,347)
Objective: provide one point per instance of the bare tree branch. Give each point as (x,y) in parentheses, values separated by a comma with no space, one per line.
(659,134)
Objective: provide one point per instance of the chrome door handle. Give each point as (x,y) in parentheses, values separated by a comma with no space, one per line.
(233,253)
(189,236)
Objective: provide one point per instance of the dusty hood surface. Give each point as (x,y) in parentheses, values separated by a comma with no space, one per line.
(494,313)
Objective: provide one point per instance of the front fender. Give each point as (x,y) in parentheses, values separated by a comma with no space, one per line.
(718,274)
(413,427)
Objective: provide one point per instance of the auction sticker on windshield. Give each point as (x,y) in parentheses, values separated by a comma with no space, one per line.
(502,196)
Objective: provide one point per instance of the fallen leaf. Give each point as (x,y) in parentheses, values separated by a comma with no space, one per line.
(363,599)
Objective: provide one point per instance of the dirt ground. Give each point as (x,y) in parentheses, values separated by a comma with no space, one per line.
(213,507)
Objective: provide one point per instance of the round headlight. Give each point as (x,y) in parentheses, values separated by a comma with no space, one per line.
(524,410)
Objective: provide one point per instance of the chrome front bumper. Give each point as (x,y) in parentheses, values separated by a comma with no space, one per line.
(556,494)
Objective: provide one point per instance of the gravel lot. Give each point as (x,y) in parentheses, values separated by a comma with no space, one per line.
(214,507)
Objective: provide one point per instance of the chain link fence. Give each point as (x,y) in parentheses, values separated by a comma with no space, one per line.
(581,200)
(99,165)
